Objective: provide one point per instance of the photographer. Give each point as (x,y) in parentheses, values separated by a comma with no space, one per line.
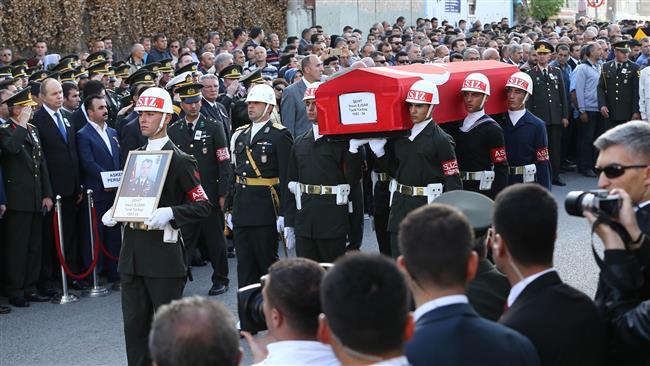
(291,308)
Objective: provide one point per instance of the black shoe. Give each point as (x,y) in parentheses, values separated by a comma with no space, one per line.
(79,286)
(558,182)
(117,286)
(589,173)
(199,263)
(218,289)
(19,302)
(231,252)
(36,297)
(50,291)
(5,309)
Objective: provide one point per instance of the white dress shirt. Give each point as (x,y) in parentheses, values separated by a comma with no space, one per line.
(518,288)
(515,116)
(51,113)
(314,127)
(256,127)
(287,353)
(471,118)
(439,302)
(418,127)
(103,133)
(157,144)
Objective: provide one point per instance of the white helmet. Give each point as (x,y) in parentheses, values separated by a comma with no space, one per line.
(476,82)
(310,92)
(155,100)
(261,93)
(423,92)
(521,80)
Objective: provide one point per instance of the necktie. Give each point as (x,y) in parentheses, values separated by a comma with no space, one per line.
(618,68)
(59,124)
(545,73)
(190,128)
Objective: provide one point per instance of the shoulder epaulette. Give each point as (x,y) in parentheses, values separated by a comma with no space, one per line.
(175,123)
(5,125)
(177,109)
(242,127)
(278,126)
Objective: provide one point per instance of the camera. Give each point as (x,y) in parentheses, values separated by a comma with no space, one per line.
(598,201)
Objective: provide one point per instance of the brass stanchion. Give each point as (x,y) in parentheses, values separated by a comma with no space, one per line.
(65,297)
(96,290)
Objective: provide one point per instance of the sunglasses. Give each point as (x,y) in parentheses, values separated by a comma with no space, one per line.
(278,88)
(380,61)
(616,170)
(397,42)
(403,61)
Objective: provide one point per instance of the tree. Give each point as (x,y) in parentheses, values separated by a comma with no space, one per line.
(543,9)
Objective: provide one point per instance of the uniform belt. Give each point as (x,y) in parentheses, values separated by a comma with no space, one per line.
(268,182)
(471,175)
(411,191)
(383,177)
(517,170)
(139,226)
(317,189)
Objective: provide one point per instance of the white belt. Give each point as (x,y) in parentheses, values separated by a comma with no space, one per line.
(431,191)
(528,171)
(342,191)
(484,177)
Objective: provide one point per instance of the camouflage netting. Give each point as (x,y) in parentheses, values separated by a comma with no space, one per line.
(70,25)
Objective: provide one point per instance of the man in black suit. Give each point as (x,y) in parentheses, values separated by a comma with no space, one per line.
(438,261)
(210,107)
(60,150)
(562,322)
(79,118)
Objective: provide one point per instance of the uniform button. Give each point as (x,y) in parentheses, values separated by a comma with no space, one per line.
(191,145)
(550,101)
(244,174)
(247,162)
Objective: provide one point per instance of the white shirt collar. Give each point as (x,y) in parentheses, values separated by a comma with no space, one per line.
(471,118)
(307,83)
(51,112)
(517,289)
(299,353)
(395,361)
(515,116)
(157,144)
(256,127)
(643,204)
(314,127)
(418,127)
(103,133)
(439,302)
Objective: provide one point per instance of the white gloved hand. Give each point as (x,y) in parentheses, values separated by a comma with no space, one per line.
(107,218)
(377,146)
(279,224)
(160,217)
(356,143)
(289,237)
(228,218)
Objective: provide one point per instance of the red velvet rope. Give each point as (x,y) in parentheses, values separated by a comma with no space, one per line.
(55,224)
(98,240)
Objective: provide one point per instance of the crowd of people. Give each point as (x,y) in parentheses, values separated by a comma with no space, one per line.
(250,170)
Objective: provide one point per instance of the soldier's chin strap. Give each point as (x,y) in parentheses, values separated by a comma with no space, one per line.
(484,100)
(523,103)
(263,114)
(430,112)
(161,124)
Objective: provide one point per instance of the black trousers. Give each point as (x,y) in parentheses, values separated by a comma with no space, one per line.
(208,235)
(257,249)
(50,262)
(380,215)
(320,250)
(554,133)
(394,246)
(586,135)
(355,236)
(21,251)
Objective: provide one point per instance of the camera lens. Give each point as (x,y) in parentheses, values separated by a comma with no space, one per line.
(573,203)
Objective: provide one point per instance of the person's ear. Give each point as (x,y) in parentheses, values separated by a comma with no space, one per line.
(323,333)
(276,318)
(472,265)
(646,179)
(240,356)
(409,329)
(499,247)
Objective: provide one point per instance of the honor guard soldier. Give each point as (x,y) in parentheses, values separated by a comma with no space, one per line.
(423,164)
(204,139)
(618,87)
(151,261)
(320,176)
(29,196)
(480,147)
(238,112)
(260,155)
(379,208)
(549,103)
(525,135)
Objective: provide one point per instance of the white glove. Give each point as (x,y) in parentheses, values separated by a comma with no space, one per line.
(160,217)
(228,218)
(279,224)
(289,237)
(377,146)
(356,143)
(107,218)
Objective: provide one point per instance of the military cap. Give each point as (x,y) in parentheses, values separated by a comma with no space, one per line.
(32,70)
(623,46)
(189,67)
(166,65)
(451,32)
(68,76)
(19,71)
(634,42)
(99,68)
(22,98)
(20,62)
(64,65)
(122,71)
(142,76)
(252,78)
(53,75)
(73,56)
(95,58)
(111,72)
(35,87)
(39,75)
(231,72)
(6,71)
(180,80)
(190,93)
(475,206)
(154,67)
(118,63)
(80,72)
(543,47)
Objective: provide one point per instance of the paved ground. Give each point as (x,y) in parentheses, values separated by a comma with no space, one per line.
(90,332)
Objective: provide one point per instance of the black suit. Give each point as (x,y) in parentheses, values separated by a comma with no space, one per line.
(130,139)
(78,119)
(562,322)
(217,113)
(63,166)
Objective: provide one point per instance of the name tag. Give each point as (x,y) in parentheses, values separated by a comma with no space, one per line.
(197,135)
(624,71)
(111,179)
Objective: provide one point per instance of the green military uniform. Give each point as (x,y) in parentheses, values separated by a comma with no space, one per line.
(205,140)
(321,225)
(428,159)
(259,186)
(152,271)
(618,88)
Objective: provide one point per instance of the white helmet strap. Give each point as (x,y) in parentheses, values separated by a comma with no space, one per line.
(484,100)
(263,114)
(161,124)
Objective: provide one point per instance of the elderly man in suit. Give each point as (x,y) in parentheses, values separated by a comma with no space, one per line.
(292,108)
(210,107)
(99,151)
(448,331)
(525,228)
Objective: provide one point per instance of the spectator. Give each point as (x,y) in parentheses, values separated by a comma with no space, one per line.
(207,63)
(71,98)
(159,50)
(190,44)
(215,39)
(471,54)
(137,58)
(259,63)
(292,107)
(490,54)
(273,52)
(40,51)
(6,56)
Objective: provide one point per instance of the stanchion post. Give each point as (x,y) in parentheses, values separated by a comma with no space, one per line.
(96,290)
(65,297)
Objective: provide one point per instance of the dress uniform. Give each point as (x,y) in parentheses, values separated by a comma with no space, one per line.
(618,86)
(526,141)
(260,153)
(549,103)
(380,205)
(27,185)
(423,164)
(152,268)
(205,140)
(238,112)
(320,176)
(228,75)
(480,146)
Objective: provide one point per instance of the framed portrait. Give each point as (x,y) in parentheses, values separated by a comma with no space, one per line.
(142,183)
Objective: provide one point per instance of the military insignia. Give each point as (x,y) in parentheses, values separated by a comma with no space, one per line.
(65,120)
(278,126)
(147,78)
(205,150)
(191,91)
(264,158)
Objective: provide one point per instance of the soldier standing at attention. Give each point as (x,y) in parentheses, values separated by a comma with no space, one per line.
(618,87)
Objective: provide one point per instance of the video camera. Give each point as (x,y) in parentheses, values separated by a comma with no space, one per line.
(597,201)
(250,305)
